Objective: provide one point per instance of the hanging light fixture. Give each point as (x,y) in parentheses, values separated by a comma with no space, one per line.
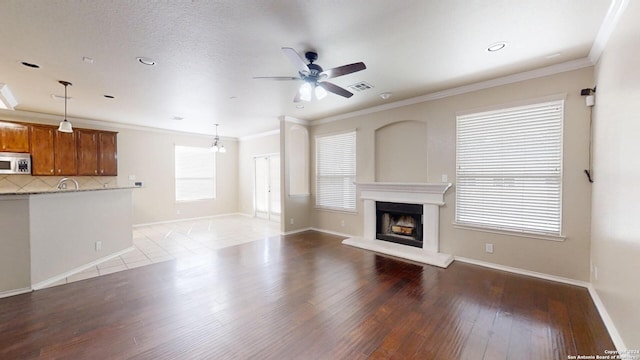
(217,145)
(65,126)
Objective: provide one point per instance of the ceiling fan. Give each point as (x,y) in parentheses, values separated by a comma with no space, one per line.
(313,76)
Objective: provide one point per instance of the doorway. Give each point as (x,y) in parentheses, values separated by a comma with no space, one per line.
(267,187)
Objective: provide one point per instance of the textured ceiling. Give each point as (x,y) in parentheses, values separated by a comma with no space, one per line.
(207,53)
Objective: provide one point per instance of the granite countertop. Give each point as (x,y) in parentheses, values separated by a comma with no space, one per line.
(55,191)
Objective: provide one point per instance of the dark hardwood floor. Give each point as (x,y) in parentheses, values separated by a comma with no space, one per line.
(303,296)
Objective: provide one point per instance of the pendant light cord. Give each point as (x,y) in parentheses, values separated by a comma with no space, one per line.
(65,102)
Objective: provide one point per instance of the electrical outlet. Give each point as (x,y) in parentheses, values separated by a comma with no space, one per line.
(445,178)
(98,245)
(291,221)
(132,177)
(177,212)
(488,248)
(342,223)
(595,272)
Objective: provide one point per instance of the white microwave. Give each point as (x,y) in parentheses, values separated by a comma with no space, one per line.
(15,163)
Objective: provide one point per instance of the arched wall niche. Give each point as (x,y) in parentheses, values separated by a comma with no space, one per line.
(401,152)
(298,161)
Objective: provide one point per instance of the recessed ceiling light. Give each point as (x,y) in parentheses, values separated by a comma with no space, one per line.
(109,96)
(87,59)
(385,95)
(497,46)
(299,106)
(551,56)
(31,65)
(232,97)
(177,118)
(146,61)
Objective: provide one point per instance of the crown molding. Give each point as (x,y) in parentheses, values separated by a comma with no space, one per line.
(35,117)
(253,136)
(611,19)
(505,80)
(291,119)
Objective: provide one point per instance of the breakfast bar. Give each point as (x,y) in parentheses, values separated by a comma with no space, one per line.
(47,236)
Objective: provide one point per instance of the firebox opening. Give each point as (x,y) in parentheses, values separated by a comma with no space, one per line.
(399,223)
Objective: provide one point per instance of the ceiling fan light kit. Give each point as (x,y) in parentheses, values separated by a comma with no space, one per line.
(313,76)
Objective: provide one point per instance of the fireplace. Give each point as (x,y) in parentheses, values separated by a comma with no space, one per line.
(402,220)
(399,223)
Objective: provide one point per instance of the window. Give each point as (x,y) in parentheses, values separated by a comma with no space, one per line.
(336,171)
(509,169)
(195,173)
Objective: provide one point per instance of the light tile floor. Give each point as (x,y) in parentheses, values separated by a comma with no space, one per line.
(181,240)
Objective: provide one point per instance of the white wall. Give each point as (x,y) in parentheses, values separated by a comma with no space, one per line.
(615,249)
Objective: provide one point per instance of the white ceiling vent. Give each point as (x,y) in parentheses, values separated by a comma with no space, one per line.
(361,86)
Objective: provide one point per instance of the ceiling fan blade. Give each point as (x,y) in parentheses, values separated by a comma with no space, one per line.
(343,70)
(276,78)
(296,60)
(336,89)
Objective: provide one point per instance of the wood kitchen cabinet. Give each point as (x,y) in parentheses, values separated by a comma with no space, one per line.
(42,150)
(83,152)
(14,137)
(87,147)
(108,153)
(65,153)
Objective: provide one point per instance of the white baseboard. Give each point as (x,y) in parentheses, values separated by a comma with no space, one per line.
(331,232)
(189,219)
(611,328)
(602,310)
(535,274)
(296,231)
(4,294)
(318,230)
(49,281)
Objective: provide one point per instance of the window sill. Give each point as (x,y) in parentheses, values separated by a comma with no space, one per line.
(344,211)
(511,233)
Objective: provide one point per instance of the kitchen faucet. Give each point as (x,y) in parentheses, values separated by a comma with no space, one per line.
(62,183)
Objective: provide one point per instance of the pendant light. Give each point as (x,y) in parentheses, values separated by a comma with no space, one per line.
(65,126)
(217,145)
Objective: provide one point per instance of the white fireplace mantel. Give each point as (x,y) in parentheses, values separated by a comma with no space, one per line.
(408,193)
(430,196)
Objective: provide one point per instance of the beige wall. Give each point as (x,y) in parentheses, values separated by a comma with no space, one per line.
(15,271)
(66,241)
(295,209)
(615,249)
(149,156)
(248,149)
(568,258)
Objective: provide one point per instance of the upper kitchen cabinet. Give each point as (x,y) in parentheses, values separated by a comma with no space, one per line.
(108,153)
(14,137)
(42,150)
(87,147)
(65,153)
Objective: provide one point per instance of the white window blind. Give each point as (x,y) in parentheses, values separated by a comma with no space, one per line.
(195,173)
(509,169)
(336,171)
